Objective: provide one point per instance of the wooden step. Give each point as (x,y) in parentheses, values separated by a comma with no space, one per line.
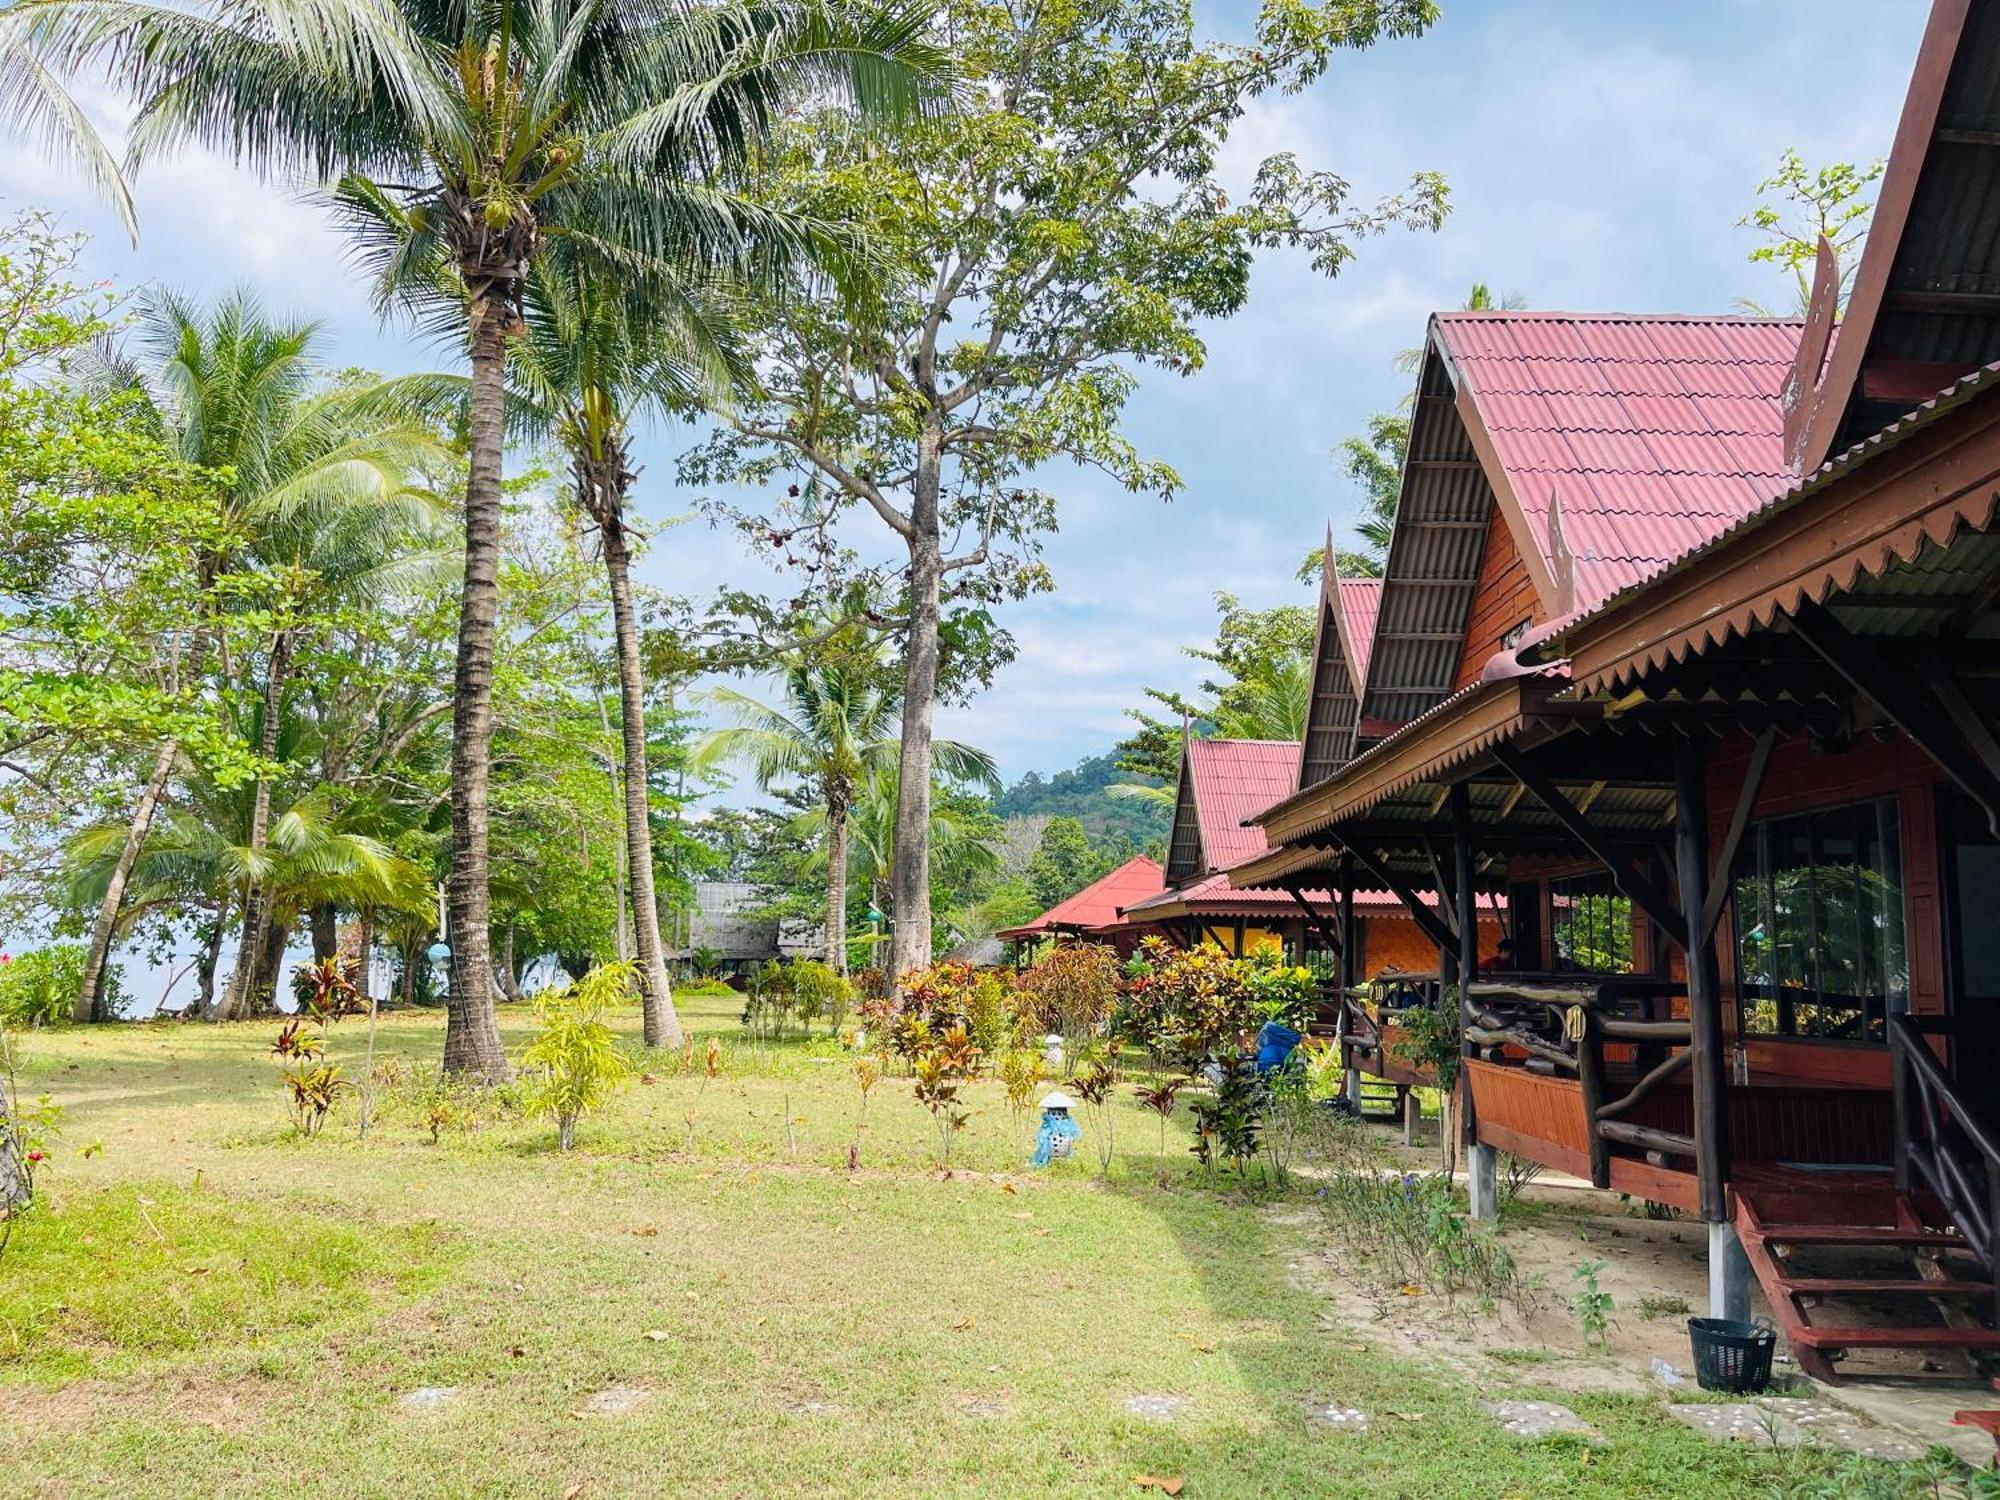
(1856,1234)
(1836,1286)
(1895,1338)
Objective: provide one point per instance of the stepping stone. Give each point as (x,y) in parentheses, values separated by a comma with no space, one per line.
(1790,1422)
(809,1408)
(1535,1420)
(427,1397)
(1155,1408)
(1333,1415)
(613,1401)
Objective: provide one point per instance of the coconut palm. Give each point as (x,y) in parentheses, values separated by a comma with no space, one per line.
(475,135)
(832,735)
(597,358)
(314,492)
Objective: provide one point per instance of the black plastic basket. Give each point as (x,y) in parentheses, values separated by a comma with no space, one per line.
(1731,1356)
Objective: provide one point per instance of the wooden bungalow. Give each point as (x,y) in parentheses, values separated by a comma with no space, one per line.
(1691,628)
(1092,913)
(1224,783)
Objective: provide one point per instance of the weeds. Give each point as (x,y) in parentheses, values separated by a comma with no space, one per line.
(1592,1305)
(1410,1230)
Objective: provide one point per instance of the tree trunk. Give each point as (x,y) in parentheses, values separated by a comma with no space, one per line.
(624,933)
(656,996)
(16,1190)
(237,1000)
(503,968)
(910,872)
(472,1034)
(325,933)
(205,966)
(89,1004)
(277,937)
(836,885)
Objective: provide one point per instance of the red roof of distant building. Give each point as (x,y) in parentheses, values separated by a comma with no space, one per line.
(1098,903)
(1234,779)
(1360,598)
(1656,433)
(1215,894)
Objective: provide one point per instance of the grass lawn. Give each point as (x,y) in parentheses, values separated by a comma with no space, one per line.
(211,1306)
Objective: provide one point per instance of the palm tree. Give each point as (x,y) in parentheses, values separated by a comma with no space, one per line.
(475,135)
(833,734)
(595,358)
(308,481)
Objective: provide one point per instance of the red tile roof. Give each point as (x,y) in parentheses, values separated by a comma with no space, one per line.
(1360,598)
(1234,779)
(1097,904)
(1656,433)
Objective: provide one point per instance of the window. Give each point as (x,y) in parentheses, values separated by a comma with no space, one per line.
(1590,925)
(1819,924)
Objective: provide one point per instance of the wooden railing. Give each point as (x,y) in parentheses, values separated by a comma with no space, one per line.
(1560,1025)
(1359,1030)
(1942,1143)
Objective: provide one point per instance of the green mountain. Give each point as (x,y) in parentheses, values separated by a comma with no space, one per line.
(1125,822)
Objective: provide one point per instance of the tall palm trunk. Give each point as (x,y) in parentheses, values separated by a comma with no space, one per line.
(325,932)
(656,997)
(208,961)
(836,883)
(910,874)
(89,1004)
(472,1034)
(237,999)
(623,937)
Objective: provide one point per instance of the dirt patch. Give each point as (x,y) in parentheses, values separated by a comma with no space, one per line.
(226,1407)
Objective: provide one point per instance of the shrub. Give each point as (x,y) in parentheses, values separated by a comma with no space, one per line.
(1072,990)
(818,993)
(1281,992)
(1228,1122)
(1020,1069)
(575,1062)
(1189,1003)
(941,1069)
(39,987)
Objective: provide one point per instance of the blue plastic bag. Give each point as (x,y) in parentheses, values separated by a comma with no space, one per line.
(1274,1046)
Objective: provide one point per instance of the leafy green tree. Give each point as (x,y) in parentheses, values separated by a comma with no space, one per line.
(473,139)
(831,735)
(321,493)
(1064,230)
(1256,688)
(1797,207)
(1064,863)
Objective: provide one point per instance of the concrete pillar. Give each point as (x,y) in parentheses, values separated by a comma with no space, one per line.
(1728,1274)
(1413,1114)
(1352,1087)
(1482,1182)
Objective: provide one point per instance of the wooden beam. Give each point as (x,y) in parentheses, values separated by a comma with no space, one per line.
(1739,821)
(1447,905)
(1313,916)
(1428,922)
(1637,888)
(1919,714)
(1704,981)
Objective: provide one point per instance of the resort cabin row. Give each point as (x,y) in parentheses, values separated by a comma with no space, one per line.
(1192,902)
(1687,653)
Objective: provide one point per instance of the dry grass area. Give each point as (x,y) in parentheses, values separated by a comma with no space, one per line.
(209,1305)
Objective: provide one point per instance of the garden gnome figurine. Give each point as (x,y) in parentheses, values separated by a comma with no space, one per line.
(1059,1133)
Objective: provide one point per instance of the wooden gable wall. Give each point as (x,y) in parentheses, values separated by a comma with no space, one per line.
(1503,600)
(1185,860)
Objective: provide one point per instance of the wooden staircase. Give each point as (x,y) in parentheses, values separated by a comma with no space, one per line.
(1849,1262)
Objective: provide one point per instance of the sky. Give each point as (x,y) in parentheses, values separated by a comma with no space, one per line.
(1599,154)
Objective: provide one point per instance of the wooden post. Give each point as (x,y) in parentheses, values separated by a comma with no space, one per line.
(1590,1076)
(1481,1161)
(1704,981)
(1348,968)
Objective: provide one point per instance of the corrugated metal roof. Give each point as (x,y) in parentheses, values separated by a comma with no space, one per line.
(1360,599)
(1232,780)
(1654,433)
(1218,894)
(1097,904)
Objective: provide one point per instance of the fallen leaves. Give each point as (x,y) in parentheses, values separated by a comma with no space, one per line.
(573,1491)
(647,1232)
(1201,1345)
(1166,1485)
(963,1325)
